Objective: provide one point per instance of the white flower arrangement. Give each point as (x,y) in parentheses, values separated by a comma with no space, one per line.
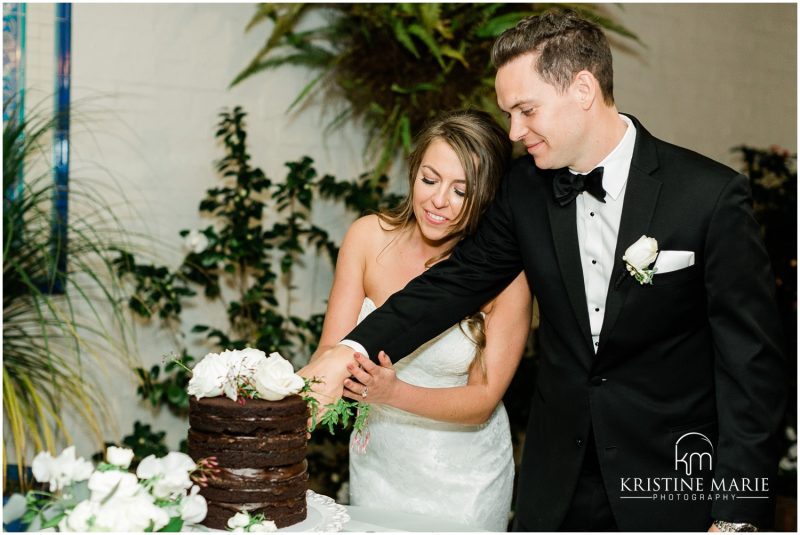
(246,373)
(638,258)
(161,496)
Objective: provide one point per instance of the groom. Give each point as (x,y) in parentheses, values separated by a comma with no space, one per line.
(659,394)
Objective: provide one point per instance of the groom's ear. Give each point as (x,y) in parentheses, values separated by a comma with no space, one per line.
(585,89)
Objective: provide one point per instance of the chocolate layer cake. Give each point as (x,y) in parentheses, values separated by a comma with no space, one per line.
(261,450)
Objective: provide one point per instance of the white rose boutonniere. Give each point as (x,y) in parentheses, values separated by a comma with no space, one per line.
(275,379)
(638,258)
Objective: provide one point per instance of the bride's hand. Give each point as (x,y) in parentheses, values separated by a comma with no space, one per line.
(376,384)
(330,369)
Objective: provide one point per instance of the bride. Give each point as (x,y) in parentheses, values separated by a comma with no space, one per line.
(437,439)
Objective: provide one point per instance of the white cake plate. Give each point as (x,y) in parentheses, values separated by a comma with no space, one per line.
(322,514)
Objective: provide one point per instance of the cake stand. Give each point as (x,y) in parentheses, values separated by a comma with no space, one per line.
(324,514)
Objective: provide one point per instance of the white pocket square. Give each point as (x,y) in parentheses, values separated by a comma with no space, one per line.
(668,261)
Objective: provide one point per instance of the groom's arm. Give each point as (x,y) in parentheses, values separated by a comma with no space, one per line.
(749,366)
(479,268)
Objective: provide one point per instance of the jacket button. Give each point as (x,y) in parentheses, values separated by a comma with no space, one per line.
(579,442)
(596,380)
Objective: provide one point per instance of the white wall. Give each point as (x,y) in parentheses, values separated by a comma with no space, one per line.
(712,76)
(151,79)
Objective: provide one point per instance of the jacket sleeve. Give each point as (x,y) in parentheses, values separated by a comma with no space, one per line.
(749,366)
(479,268)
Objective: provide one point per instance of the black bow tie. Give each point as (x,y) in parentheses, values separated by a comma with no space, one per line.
(567,185)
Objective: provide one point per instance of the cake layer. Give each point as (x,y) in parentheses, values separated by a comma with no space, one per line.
(256,485)
(255,416)
(283,513)
(241,452)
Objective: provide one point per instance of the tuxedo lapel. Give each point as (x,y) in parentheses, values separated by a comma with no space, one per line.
(641,196)
(565,239)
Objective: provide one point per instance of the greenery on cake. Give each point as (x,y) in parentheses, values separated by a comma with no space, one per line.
(341,412)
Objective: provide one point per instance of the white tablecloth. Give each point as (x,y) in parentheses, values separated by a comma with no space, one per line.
(367,519)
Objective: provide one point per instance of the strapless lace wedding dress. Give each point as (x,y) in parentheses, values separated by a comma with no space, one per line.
(463,473)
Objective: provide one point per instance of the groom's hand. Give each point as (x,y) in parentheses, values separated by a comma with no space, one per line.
(330,368)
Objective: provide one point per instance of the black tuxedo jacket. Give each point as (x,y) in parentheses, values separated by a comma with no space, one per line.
(695,352)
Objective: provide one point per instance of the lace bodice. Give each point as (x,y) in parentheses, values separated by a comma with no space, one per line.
(441,362)
(414,464)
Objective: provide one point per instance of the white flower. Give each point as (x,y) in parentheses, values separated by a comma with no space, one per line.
(78,519)
(120,484)
(244,363)
(170,474)
(642,253)
(787,465)
(208,376)
(239,520)
(638,258)
(267,526)
(275,378)
(193,507)
(61,471)
(136,513)
(121,457)
(196,241)
(14,508)
(43,468)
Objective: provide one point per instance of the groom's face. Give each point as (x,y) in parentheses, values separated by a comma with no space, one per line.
(548,122)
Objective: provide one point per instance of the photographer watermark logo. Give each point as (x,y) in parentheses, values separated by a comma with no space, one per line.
(689,457)
(693,478)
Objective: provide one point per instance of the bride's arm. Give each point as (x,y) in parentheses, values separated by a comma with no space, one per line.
(347,292)
(506,326)
(344,303)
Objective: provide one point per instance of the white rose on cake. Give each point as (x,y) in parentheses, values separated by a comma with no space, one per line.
(209,377)
(275,379)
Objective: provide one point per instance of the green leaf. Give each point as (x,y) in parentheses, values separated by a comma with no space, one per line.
(497,25)
(404,38)
(174,525)
(428,39)
(305,91)
(451,52)
(405,131)
(53,522)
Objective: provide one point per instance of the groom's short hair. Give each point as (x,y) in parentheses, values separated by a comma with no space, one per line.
(566,44)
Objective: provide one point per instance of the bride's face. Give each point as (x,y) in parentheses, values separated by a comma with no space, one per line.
(439,190)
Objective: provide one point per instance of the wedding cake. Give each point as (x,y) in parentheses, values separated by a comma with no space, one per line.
(245,412)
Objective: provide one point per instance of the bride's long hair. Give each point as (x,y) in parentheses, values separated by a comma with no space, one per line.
(484,150)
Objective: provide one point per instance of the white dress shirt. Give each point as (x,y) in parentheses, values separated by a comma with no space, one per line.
(598,227)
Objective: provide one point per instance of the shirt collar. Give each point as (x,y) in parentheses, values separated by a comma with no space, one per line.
(617,164)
